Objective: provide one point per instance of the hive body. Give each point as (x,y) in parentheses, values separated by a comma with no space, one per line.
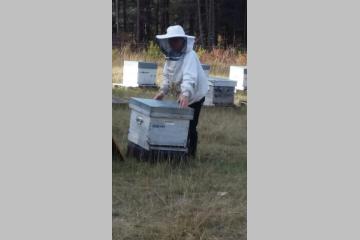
(139,74)
(221,92)
(158,125)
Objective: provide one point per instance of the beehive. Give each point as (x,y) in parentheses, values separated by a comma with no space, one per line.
(158,126)
(206,69)
(239,74)
(221,92)
(137,74)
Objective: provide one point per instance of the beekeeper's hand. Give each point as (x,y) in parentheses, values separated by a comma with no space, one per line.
(159,96)
(184,101)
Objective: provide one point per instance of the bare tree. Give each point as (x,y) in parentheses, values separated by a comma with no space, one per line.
(148,22)
(124,15)
(117,16)
(201,35)
(157,10)
(208,20)
(211,24)
(139,21)
(164,15)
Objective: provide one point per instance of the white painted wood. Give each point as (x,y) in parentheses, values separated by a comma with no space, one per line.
(139,74)
(221,82)
(138,131)
(157,114)
(130,74)
(161,108)
(209,97)
(158,125)
(221,92)
(168,132)
(239,74)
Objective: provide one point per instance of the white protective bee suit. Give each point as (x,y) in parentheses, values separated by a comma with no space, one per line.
(182,69)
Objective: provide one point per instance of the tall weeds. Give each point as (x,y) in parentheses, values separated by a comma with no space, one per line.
(219,59)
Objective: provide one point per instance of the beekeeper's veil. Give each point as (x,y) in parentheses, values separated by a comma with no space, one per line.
(171,32)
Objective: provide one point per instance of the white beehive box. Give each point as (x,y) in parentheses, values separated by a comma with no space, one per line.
(159,125)
(221,92)
(206,69)
(137,74)
(239,74)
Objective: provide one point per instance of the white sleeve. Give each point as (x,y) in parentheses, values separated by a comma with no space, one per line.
(165,83)
(190,76)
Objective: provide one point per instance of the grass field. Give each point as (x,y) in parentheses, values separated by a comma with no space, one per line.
(204,198)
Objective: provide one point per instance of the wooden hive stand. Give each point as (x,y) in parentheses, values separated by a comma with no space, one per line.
(116,154)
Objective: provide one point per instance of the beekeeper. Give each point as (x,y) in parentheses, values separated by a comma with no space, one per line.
(183,71)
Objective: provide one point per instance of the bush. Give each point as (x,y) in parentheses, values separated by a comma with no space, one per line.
(200,52)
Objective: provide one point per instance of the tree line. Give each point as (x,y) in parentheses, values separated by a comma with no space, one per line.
(219,23)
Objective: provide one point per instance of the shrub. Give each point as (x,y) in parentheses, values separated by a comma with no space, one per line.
(153,51)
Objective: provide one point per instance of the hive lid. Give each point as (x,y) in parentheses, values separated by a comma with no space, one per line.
(161,106)
(215,81)
(238,67)
(149,65)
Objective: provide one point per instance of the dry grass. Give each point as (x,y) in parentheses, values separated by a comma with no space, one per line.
(202,199)
(220,60)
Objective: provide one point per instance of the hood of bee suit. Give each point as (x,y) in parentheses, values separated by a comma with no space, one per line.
(171,32)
